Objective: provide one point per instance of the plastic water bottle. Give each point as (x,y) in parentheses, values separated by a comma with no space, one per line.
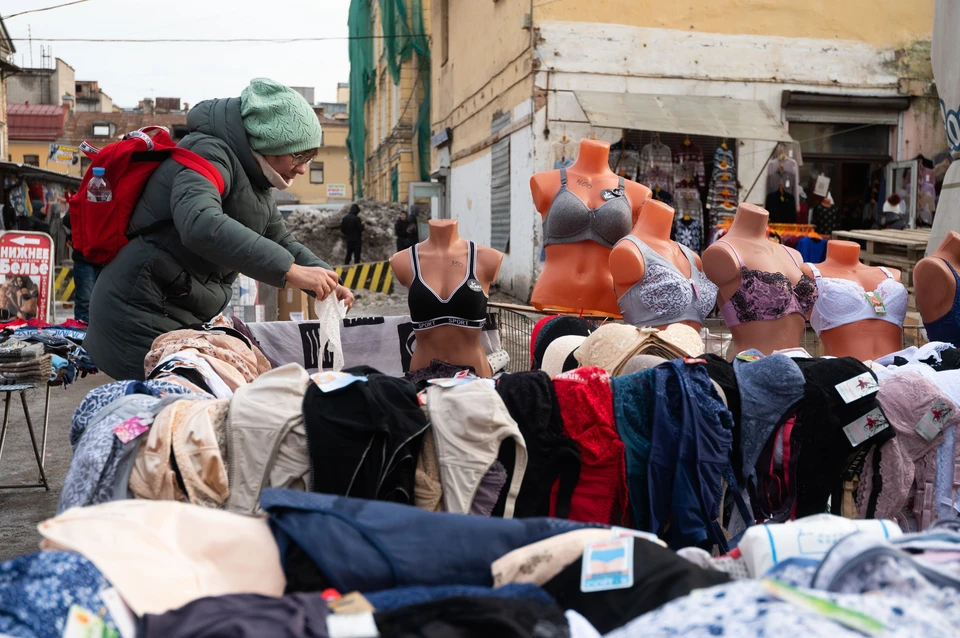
(98,190)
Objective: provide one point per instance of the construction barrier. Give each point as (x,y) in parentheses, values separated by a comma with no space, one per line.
(63,284)
(375,277)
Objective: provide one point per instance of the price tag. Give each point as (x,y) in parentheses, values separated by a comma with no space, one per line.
(130,429)
(867,426)
(607,565)
(876,303)
(857,387)
(749,357)
(933,421)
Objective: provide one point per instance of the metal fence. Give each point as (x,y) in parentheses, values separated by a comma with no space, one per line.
(515,325)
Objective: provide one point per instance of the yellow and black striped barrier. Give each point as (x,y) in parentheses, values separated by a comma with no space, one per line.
(375,277)
(63,284)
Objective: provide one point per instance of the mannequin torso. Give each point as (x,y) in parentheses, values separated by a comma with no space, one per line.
(576,276)
(653,229)
(936,287)
(865,339)
(747,241)
(444,262)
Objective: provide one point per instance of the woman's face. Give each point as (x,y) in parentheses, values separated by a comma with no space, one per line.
(403,216)
(291,164)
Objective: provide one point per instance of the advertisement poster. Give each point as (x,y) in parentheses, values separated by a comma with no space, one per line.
(64,154)
(26,273)
(336,190)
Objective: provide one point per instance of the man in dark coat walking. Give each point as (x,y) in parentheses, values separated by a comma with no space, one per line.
(352,229)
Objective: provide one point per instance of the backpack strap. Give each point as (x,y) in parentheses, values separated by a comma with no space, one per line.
(194,162)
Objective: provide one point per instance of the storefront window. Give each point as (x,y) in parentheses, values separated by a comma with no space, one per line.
(841,139)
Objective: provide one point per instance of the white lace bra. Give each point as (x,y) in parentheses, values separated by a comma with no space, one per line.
(841,302)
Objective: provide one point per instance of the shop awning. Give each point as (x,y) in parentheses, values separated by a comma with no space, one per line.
(689,114)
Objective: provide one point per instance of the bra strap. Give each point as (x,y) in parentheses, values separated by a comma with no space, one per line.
(415,261)
(620,186)
(563,177)
(472,261)
(816,271)
(886,272)
(796,263)
(734,251)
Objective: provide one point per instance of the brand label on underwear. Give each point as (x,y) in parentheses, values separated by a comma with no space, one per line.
(352,603)
(867,426)
(607,565)
(749,357)
(858,387)
(330,381)
(876,303)
(933,421)
(130,429)
(474,285)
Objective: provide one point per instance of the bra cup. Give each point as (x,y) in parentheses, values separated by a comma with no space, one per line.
(843,302)
(664,291)
(568,217)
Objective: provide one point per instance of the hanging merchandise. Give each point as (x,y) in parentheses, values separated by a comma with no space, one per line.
(723,193)
(826,216)
(783,176)
(623,160)
(564,152)
(688,164)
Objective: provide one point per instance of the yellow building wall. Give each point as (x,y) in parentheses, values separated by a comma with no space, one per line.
(877,22)
(18,148)
(489,68)
(390,117)
(336,170)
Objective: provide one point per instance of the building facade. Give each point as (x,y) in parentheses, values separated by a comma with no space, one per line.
(389,96)
(516,85)
(327,182)
(7,68)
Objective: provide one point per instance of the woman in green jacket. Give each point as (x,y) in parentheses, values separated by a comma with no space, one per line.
(189,243)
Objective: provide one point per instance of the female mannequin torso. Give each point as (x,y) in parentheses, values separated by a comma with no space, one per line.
(867,339)
(936,287)
(748,238)
(443,262)
(576,276)
(653,229)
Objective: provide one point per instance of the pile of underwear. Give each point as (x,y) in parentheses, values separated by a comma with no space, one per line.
(319,565)
(24,363)
(63,343)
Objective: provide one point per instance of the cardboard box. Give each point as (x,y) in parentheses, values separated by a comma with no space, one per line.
(295,302)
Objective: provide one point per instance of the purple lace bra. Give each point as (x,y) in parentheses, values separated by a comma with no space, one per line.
(767,296)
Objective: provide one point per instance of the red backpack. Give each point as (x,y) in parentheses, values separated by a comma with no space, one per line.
(99,229)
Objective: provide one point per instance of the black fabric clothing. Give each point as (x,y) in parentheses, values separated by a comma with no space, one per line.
(827,219)
(352,226)
(76,255)
(659,576)
(354,248)
(949,360)
(364,439)
(241,616)
(465,307)
(475,617)
(782,207)
(821,418)
(553,330)
(721,372)
(532,402)
(436,370)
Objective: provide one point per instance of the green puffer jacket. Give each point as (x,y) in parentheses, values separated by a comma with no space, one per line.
(189,244)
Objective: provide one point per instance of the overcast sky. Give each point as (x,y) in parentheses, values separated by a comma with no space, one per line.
(128,72)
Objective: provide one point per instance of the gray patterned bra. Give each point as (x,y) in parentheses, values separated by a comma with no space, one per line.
(665,295)
(569,220)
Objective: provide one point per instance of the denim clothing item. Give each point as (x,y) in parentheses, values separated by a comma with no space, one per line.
(689,456)
(633,401)
(37,590)
(84,277)
(362,545)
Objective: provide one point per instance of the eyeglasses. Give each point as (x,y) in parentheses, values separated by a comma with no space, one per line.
(306,157)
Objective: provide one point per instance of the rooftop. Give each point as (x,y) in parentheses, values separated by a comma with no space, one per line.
(40,122)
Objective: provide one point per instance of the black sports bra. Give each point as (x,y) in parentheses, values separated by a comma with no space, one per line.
(466,307)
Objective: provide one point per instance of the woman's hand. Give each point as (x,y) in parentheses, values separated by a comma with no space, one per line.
(319,280)
(346,296)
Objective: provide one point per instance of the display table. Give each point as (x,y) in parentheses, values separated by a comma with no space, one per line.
(38,453)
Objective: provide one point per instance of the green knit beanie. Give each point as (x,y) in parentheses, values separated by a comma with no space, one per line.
(278,120)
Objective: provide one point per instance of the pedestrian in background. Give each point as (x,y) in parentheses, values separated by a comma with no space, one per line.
(85,274)
(352,229)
